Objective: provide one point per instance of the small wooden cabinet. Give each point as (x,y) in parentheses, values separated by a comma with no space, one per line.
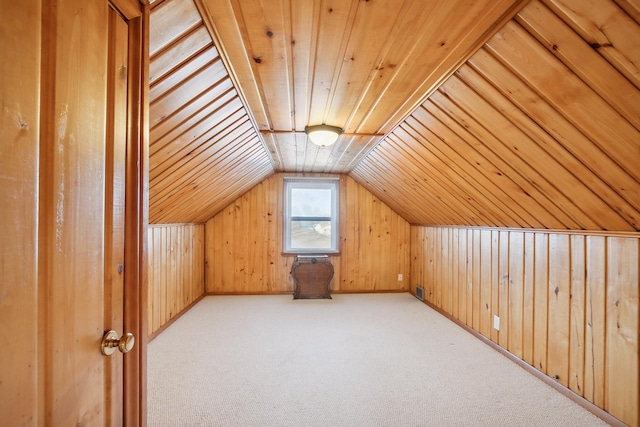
(312,275)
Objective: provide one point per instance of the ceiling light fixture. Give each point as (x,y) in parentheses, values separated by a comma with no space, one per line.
(323,135)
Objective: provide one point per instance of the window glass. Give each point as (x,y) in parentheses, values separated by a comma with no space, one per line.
(311,215)
(314,202)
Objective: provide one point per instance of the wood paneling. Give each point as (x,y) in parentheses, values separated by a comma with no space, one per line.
(568,303)
(59,105)
(71,212)
(201,137)
(362,66)
(539,129)
(19,136)
(244,244)
(55,78)
(504,114)
(176,271)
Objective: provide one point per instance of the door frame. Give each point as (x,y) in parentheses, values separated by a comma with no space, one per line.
(136,13)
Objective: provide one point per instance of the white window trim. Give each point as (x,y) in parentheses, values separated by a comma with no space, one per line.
(296,182)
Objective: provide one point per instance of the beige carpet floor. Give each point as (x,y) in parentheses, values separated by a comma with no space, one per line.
(355,360)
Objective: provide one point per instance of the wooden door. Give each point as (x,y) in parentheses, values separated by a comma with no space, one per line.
(62,227)
(19,99)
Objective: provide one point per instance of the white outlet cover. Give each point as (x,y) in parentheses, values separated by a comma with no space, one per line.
(496,322)
(400,277)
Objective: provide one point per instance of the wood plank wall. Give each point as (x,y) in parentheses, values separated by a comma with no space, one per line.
(176,271)
(568,302)
(20,68)
(244,244)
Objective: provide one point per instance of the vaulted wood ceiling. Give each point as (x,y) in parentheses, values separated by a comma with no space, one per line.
(495,113)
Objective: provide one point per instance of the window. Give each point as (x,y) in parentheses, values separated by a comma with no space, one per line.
(311,215)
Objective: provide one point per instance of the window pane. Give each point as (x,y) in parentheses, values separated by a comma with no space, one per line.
(313,202)
(310,234)
(311,215)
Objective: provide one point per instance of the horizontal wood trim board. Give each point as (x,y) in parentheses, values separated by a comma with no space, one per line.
(605,233)
(291,292)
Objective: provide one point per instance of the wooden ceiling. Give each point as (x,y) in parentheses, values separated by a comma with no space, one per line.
(495,113)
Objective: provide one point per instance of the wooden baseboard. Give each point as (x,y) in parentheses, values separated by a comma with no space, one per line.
(174,318)
(589,406)
(249,293)
(391,291)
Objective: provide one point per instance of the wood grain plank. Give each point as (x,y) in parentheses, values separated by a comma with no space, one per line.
(572,148)
(249,178)
(528,321)
(417,257)
(178,53)
(606,28)
(622,357)
(164,274)
(445,278)
(19,189)
(208,61)
(632,7)
(516,293)
(577,322)
(166,130)
(177,261)
(385,162)
(370,36)
(576,101)
(329,49)
(174,265)
(422,185)
(449,193)
(492,208)
(228,37)
(573,314)
(495,282)
(476,278)
(168,21)
(455,272)
(217,121)
(438,55)
(469,283)
(462,275)
(582,59)
(268,47)
(529,186)
(177,96)
(462,158)
(521,152)
(503,289)
(595,313)
(559,308)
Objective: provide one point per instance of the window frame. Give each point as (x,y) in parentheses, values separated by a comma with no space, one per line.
(292,183)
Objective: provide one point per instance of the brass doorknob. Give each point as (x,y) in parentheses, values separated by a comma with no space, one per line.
(111,343)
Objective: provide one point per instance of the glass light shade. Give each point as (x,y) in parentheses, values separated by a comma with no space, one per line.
(323,135)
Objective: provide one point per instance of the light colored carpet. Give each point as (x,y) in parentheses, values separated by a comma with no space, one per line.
(355,360)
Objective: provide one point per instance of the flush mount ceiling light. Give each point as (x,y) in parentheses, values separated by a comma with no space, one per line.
(323,135)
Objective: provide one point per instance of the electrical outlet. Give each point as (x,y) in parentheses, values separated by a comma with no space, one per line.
(496,322)
(400,277)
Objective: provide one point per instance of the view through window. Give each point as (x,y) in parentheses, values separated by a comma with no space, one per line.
(311,215)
